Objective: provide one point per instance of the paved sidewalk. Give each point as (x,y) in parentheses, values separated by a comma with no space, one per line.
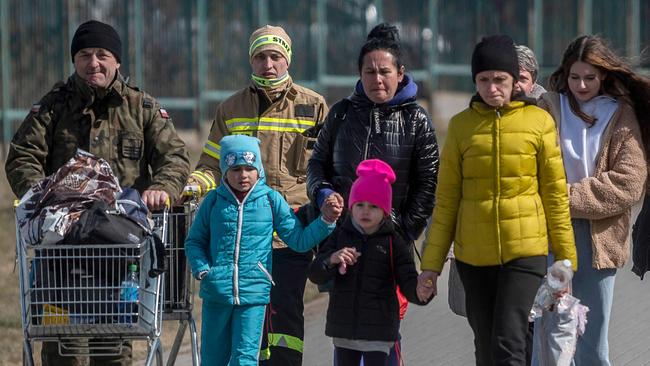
(433,335)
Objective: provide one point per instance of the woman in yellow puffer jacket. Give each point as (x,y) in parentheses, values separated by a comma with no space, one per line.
(502,200)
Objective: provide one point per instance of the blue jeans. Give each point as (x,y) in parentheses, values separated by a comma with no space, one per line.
(595,289)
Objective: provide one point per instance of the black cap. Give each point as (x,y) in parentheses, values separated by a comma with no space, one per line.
(495,53)
(96,34)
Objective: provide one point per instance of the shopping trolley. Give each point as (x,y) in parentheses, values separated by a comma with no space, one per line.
(71,294)
(179,283)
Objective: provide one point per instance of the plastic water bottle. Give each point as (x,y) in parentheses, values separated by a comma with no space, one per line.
(129,296)
(557,280)
(559,275)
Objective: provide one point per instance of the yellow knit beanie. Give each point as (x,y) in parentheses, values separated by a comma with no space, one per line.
(270,37)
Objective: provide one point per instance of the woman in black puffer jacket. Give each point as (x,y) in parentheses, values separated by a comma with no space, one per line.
(382,120)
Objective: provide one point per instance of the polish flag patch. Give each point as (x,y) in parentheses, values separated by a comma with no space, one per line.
(35,108)
(164,113)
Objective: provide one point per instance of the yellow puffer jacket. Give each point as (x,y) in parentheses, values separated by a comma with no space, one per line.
(501,191)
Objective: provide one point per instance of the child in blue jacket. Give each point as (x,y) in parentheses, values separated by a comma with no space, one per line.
(229,250)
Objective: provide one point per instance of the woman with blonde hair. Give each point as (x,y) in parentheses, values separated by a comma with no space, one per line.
(598,103)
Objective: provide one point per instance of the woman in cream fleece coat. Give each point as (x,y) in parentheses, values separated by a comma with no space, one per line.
(595,101)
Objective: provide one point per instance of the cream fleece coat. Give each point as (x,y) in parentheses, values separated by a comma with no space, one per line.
(619,179)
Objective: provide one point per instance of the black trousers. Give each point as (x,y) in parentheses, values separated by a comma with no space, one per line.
(284,330)
(349,357)
(498,301)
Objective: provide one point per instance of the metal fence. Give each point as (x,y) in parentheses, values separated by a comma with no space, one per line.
(192,54)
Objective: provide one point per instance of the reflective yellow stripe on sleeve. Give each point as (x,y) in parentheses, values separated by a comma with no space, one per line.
(212,149)
(265,354)
(204,179)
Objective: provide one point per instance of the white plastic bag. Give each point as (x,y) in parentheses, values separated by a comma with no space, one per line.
(561,326)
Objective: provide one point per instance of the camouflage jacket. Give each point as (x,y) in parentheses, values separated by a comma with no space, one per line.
(126,127)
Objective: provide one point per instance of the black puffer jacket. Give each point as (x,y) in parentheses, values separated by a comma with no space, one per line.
(399,133)
(363,303)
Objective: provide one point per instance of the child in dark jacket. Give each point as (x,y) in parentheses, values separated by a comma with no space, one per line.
(367,258)
(229,250)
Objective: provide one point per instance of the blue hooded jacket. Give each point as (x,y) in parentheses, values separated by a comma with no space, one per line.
(233,240)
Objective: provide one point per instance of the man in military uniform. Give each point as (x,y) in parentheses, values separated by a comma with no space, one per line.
(286,118)
(97,111)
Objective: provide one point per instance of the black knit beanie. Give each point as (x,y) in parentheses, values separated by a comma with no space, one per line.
(96,34)
(495,53)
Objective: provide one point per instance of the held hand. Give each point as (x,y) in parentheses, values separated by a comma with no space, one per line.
(336,208)
(427,285)
(336,200)
(332,207)
(155,200)
(328,213)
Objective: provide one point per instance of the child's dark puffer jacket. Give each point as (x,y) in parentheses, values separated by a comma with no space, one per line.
(363,303)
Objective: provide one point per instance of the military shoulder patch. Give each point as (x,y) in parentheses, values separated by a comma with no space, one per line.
(164,113)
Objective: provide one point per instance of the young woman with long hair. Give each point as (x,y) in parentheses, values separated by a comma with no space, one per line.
(601,108)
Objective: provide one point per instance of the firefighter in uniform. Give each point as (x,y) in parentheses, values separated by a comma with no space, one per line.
(97,111)
(285,117)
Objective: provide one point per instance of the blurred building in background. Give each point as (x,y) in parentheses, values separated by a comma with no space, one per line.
(192,54)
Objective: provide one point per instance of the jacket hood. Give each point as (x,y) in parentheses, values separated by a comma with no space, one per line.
(259,189)
(406,92)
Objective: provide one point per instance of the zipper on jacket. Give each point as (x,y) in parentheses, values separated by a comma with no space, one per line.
(261,114)
(235,275)
(357,290)
(266,272)
(373,120)
(240,221)
(606,133)
(497,180)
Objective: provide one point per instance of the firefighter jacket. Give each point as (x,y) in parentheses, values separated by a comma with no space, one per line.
(287,129)
(126,127)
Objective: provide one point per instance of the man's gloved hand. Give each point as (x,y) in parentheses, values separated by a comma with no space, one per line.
(199,183)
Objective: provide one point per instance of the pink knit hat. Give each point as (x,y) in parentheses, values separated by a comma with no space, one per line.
(373,185)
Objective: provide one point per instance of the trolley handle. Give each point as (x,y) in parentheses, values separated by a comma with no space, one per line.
(16,204)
